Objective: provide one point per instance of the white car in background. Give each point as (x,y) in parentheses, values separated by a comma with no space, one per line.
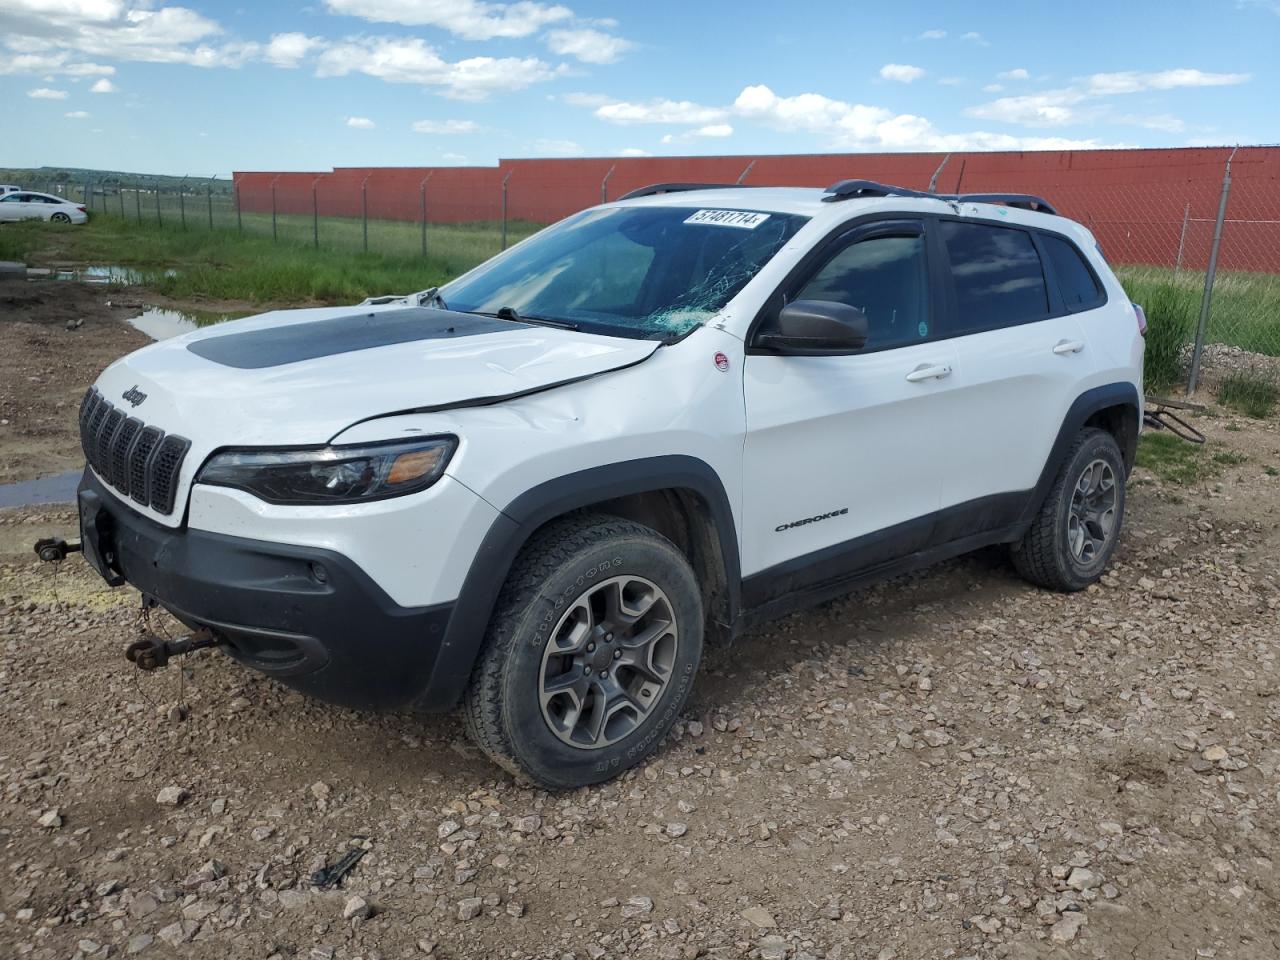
(25,205)
(8,188)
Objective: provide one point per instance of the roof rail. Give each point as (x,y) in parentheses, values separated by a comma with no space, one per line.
(855,189)
(654,188)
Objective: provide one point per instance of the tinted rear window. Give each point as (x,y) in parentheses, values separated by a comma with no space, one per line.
(1079,286)
(999,281)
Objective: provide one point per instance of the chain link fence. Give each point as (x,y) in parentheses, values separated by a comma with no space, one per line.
(1200,250)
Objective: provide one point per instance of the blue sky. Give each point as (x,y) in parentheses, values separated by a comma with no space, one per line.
(210,87)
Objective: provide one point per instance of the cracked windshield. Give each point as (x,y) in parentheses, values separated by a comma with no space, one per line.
(653,273)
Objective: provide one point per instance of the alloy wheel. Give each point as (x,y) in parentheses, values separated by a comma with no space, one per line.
(1092,516)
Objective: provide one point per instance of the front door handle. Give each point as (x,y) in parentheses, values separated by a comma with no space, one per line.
(1067,347)
(928,371)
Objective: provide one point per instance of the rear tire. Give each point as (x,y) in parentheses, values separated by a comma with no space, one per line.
(1072,538)
(60,218)
(590,653)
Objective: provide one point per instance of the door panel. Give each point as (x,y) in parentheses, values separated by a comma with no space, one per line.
(831,434)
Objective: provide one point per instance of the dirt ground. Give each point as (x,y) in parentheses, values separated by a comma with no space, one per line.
(952,764)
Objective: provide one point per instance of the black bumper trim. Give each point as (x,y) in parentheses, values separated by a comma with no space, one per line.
(341,638)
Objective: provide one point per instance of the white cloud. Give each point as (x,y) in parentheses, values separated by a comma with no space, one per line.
(711,130)
(951,81)
(53,11)
(862,127)
(660,111)
(587,45)
(1164,122)
(556,148)
(50,62)
(288,49)
(974,37)
(410,60)
(591,100)
(445,127)
(361,123)
(1016,74)
(77,115)
(1051,108)
(933,35)
(900,72)
(633,152)
(104,86)
(1129,81)
(993,88)
(469,19)
(44,93)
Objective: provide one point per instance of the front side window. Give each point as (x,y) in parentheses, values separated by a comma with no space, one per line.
(1079,286)
(887,278)
(645,272)
(999,281)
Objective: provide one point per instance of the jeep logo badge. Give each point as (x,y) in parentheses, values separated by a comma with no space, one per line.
(134,395)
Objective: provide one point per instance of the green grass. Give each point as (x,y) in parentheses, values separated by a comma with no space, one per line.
(1170,328)
(1180,463)
(223,264)
(1249,394)
(1245,311)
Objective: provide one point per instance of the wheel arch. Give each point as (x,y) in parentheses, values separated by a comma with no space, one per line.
(681,497)
(1113,407)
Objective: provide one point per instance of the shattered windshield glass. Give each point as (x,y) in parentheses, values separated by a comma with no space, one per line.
(647,272)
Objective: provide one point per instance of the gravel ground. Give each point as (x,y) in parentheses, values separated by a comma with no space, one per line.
(952,764)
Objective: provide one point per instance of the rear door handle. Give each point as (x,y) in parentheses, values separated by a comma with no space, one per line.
(1066,347)
(929,371)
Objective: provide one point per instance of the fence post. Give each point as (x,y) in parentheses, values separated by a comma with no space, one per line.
(933,181)
(743,175)
(604,184)
(1182,239)
(159,219)
(315,215)
(208,196)
(137,202)
(1207,300)
(364,210)
(182,202)
(274,235)
(422,205)
(504,208)
(120,191)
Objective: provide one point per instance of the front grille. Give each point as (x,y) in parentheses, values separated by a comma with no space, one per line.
(139,461)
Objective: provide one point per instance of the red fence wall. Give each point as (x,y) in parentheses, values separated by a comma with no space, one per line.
(1135,201)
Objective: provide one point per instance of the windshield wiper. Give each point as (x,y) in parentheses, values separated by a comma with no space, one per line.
(511,313)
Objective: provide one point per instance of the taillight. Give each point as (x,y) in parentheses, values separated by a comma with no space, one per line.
(1142,318)
(81,209)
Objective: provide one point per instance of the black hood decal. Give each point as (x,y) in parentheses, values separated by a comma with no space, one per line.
(294,342)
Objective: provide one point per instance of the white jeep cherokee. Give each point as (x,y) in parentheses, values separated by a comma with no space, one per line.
(537,490)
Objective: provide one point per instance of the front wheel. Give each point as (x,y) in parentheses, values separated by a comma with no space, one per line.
(1072,538)
(590,654)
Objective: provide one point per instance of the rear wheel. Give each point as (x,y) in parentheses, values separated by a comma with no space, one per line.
(1075,533)
(60,218)
(590,654)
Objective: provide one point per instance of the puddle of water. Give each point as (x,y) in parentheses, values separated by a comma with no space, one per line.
(104,274)
(59,488)
(161,324)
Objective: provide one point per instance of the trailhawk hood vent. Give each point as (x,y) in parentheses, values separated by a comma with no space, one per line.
(139,461)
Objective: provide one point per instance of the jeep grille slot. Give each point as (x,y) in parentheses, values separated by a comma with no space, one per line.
(139,461)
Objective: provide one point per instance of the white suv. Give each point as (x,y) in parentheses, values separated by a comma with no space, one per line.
(536,490)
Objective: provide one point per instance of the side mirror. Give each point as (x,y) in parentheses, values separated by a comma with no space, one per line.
(816,328)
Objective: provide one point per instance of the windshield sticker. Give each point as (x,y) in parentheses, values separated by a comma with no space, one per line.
(729,218)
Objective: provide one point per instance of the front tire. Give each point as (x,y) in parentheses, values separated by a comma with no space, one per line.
(1072,538)
(590,653)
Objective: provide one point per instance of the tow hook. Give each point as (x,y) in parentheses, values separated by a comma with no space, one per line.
(152,653)
(55,549)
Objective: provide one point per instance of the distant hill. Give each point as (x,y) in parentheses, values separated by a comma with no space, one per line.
(108,181)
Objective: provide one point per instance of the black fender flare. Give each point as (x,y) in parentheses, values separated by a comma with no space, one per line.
(1090,402)
(520,518)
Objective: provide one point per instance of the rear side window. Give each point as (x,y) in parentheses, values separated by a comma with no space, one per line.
(885,277)
(999,280)
(1079,286)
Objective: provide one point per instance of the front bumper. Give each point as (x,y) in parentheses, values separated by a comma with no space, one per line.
(309,617)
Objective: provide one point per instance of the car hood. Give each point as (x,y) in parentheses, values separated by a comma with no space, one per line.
(303,376)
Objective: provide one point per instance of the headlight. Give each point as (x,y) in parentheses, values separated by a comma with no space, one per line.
(352,474)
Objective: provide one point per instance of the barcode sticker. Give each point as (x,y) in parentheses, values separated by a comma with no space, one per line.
(729,218)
